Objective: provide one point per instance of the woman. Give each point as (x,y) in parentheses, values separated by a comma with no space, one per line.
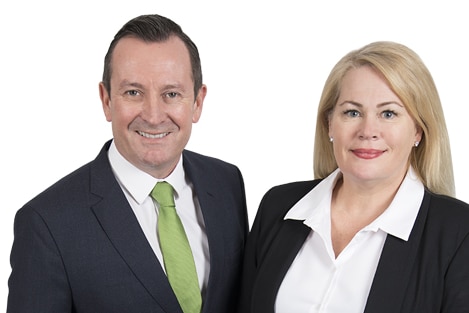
(379,229)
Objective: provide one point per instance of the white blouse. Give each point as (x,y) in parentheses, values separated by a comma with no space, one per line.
(317,281)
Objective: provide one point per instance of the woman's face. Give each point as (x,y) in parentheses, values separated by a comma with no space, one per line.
(373,134)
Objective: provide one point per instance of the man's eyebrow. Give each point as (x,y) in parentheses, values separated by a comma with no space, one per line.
(127,83)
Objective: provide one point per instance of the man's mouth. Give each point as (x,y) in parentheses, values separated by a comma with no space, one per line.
(152,136)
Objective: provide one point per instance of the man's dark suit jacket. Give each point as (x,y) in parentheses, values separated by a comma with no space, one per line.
(79,248)
(428,273)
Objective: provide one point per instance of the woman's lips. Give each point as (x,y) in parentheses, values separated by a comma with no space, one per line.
(367,153)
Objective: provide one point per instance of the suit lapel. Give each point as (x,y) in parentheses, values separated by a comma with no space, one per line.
(282,252)
(209,200)
(121,226)
(395,267)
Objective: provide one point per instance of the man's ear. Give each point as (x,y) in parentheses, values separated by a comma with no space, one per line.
(198,104)
(105,101)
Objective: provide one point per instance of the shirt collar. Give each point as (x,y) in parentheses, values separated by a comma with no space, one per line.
(399,217)
(138,183)
(397,220)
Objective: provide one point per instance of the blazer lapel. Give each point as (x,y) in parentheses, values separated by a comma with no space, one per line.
(215,237)
(394,268)
(278,260)
(121,226)
(209,201)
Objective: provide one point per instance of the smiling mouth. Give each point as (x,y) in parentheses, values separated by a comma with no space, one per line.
(152,136)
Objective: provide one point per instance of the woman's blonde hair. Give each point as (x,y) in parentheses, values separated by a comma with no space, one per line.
(411,81)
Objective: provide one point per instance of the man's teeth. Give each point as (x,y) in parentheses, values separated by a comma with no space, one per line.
(152,136)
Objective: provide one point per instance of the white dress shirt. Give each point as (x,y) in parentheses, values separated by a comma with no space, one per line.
(137,186)
(317,281)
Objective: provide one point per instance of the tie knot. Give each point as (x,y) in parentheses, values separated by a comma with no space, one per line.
(163,194)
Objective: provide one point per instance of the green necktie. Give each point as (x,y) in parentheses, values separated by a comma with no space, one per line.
(177,254)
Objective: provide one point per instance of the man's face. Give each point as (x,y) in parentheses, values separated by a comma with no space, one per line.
(151,104)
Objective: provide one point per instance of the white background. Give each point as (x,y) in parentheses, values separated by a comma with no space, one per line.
(265,64)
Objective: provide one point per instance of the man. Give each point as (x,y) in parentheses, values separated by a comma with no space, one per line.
(91,242)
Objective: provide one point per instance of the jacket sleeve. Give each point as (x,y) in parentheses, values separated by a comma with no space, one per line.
(38,281)
(250,264)
(456,295)
(258,242)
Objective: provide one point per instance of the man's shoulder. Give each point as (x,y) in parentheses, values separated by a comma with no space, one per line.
(205,161)
(218,174)
(74,186)
(65,186)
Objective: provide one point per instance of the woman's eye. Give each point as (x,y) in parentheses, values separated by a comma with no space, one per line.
(388,114)
(352,113)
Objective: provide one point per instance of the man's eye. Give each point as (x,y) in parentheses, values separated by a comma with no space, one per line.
(132,92)
(171,94)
